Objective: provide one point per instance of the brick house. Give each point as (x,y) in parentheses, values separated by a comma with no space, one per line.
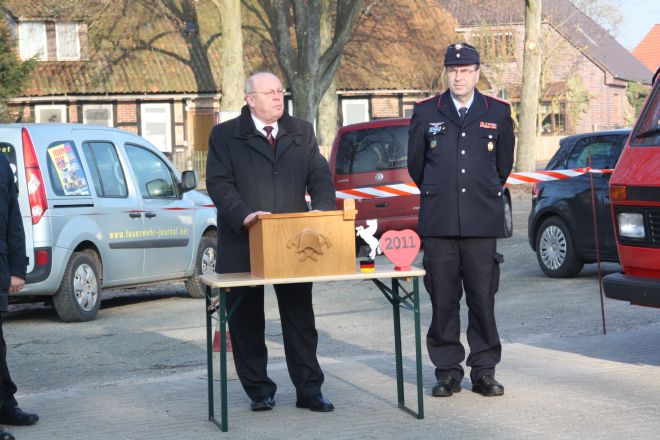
(156,72)
(585,70)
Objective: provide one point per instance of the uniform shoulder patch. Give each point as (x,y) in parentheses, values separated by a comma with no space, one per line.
(425,99)
(494,98)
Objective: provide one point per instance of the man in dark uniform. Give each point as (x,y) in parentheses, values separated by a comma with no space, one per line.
(13,264)
(264,161)
(460,153)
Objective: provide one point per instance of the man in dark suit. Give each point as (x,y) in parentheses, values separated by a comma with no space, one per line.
(460,153)
(264,161)
(13,264)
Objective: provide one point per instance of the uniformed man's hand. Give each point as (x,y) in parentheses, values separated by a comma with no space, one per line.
(251,216)
(16,284)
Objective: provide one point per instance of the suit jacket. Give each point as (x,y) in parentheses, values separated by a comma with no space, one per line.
(461,168)
(245,174)
(12,236)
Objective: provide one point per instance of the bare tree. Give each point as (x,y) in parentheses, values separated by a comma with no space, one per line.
(327,114)
(308,70)
(232,58)
(606,13)
(526,157)
(124,39)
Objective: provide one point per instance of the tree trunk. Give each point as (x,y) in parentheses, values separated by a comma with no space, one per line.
(327,119)
(529,101)
(308,70)
(232,58)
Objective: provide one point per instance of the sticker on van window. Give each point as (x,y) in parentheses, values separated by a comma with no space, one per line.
(69,169)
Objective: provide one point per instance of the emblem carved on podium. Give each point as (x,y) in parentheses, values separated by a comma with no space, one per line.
(310,244)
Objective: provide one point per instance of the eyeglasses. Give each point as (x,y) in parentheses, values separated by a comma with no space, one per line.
(455,72)
(270,93)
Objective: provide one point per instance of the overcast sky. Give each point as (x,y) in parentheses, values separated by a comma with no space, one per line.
(639,16)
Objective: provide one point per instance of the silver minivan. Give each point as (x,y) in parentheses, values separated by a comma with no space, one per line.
(103,208)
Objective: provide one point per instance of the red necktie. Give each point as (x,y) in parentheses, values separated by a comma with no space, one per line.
(269,135)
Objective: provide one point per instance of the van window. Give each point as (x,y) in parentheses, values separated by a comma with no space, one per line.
(67,176)
(9,151)
(105,168)
(154,177)
(648,128)
(373,149)
(604,152)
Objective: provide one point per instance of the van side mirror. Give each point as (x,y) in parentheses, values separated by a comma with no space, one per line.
(188,180)
(159,188)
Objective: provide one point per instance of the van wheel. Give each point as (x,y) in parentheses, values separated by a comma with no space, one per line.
(555,250)
(78,298)
(508,218)
(204,265)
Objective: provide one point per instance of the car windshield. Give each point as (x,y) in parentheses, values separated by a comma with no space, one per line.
(648,129)
(372,149)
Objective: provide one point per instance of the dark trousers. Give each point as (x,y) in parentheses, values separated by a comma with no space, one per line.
(7,386)
(452,265)
(247,326)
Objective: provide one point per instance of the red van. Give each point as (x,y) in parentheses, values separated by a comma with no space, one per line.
(369,163)
(635,197)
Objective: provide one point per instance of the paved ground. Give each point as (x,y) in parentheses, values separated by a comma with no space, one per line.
(590,387)
(138,372)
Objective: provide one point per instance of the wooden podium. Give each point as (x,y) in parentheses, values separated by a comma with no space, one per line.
(303,244)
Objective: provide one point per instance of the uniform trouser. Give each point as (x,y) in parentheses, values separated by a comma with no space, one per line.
(453,264)
(7,386)
(247,325)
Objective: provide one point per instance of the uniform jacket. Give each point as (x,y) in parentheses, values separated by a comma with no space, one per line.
(245,174)
(461,169)
(12,236)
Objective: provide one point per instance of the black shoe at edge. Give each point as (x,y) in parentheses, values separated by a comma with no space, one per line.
(316,403)
(265,403)
(446,387)
(488,386)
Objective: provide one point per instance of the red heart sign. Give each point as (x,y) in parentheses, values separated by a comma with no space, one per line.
(400,247)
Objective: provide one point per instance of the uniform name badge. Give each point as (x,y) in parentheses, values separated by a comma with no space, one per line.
(434,129)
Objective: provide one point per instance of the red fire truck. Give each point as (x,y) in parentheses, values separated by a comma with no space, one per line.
(635,197)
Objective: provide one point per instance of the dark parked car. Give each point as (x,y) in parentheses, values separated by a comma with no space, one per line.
(561,227)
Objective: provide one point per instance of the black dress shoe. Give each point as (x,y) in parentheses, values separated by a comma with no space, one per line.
(5,435)
(265,403)
(316,403)
(488,386)
(445,387)
(13,415)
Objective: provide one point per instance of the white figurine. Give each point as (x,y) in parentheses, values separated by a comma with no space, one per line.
(367,234)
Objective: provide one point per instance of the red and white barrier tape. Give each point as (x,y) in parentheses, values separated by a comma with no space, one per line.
(406,189)
(545,176)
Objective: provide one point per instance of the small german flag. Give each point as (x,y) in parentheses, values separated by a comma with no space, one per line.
(367,266)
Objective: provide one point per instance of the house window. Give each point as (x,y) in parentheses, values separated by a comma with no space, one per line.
(157,125)
(407,109)
(68,44)
(50,113)
(553,117)
(355,110)
(495,44)
(97,114)
(32,40)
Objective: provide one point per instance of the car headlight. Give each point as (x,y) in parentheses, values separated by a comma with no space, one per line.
(631,225)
